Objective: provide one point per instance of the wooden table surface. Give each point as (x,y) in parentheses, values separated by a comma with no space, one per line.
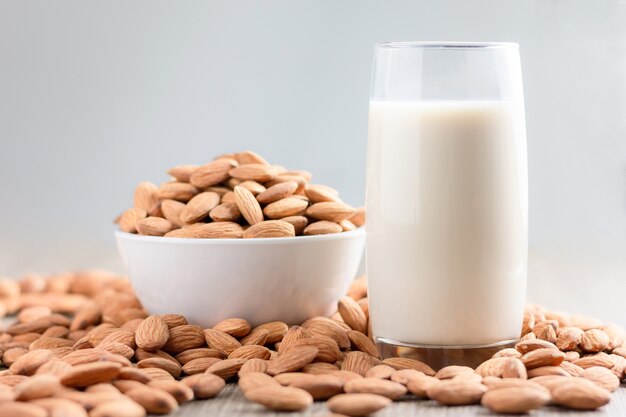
(232,403)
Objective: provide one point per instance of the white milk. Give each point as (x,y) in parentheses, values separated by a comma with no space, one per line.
(446,222)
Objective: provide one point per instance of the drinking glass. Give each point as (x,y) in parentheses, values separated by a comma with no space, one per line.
(446,195)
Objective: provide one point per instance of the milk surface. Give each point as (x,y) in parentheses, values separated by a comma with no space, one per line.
(446,221)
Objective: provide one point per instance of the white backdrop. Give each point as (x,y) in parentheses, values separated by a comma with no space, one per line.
(96,96)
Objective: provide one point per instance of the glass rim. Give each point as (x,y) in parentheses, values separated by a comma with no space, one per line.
(446,45)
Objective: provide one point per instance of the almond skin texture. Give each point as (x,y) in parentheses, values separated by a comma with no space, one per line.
(514,400)
(389,389)
(269,229)
(221,341)
(352,314)
(298,223)
(542,357)
(199,207)
(285,207)
(204,385)
(217,230)
(580,394)
(277,192)
(225,212)
(211,174)
(91,373)
(450,392)
(152,333)
(594,340)
(179,191)
(322,227)
(254,172)
(280,398)
(248,205)
(357,405)
(292,360)
(145,196)
(331,211)
(234,326)
(154,226)
(171,211)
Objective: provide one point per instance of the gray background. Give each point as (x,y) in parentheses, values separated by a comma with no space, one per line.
(97,96)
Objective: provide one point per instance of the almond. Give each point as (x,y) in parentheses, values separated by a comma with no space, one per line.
(363,343)
(118,408)
(298,179)
(526,346)
(184,337)
(276,329)
(256,337)
(199,365)
(418,385)
(328,351)
(171,211)
(320,368)
(248,206)
(352,314)
(280,398)
(219,230)
(252,366)
(21,409)
(153,400)
(171,367)
(254,187)
(234,327)
(225,212)
(292,360)
(322,228)
(179,191)
(594,340)
(357,405)
(152,333)
(38,386)
(568,338)
(204,385)
(129,218)
(211,174)
(580,394)
(154,226)
(182,173)
(181,392)
(380,371)
(254,172)
(253,380)
(298,223)
(269,229)
(321,387)
(330,328)
(29,362)
(286,207)
(404,376)
(515,400)
(321,193)
(451,392)
(251,352)
(221,341)
(294,333)
(249,157)
(449,372)
(547,370)
(199,207)
(144,197)
(389,389)
(602,376)
(594,360)
(358,362)
(226,369)
(407,363)
(277,192)
(542,357)
(514,368)
(331,211)
(573,370)
(91,373)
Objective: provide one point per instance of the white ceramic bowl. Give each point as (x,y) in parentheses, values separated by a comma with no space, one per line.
(260,280)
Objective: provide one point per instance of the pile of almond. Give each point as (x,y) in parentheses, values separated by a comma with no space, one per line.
(83,345)
(238,195)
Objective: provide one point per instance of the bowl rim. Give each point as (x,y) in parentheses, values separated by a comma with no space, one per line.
(359,232)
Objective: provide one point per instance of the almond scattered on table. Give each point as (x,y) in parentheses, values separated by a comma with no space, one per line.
(83,345)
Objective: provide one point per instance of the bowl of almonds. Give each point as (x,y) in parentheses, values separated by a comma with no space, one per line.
(240,237)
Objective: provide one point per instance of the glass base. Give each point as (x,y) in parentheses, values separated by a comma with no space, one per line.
(439,356)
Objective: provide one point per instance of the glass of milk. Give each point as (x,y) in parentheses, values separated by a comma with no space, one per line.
(447,195)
